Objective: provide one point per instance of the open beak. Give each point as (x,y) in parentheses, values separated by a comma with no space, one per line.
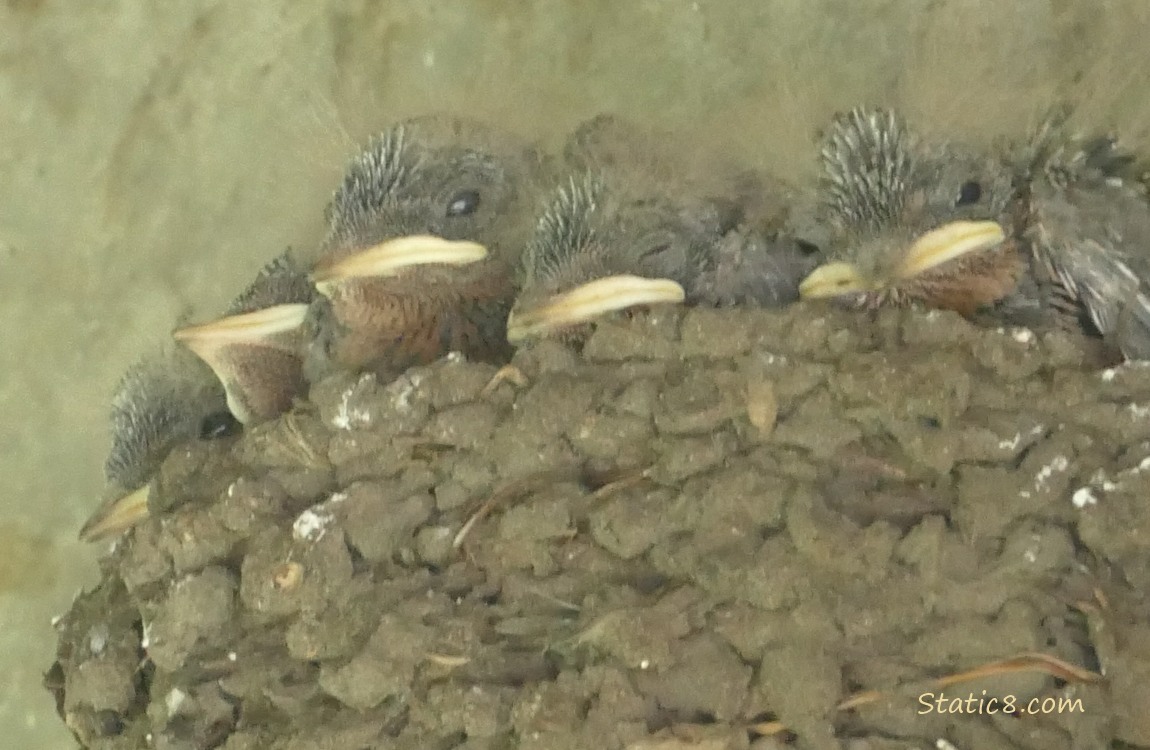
(391,257)
(588,302)
(116,516)
(931,250)
(255,356)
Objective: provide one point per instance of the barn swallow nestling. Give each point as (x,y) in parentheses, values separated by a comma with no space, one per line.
(251,373)
(634,226)
(1088,230)
(256,350)
(424,233)
(160,402)
(914,222)
(1052,238)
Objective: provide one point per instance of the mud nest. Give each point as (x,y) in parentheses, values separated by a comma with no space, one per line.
(707,530)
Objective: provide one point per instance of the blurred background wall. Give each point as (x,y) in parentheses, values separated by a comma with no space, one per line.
(154,155)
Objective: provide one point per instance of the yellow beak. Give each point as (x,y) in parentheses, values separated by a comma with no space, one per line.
(117,516)
(389,258)
(246,352)
(259,327)
(588,302)
(929,251)
(948,242)
(833,280)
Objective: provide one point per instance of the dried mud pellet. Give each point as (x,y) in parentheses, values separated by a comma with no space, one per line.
(287,577)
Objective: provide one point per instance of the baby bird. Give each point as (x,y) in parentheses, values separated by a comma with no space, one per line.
(1049,235)
(249,371)
(637,224)
(914,222)
(399,280)
(256,350)
(424,234)
(160,402)
(1088,231)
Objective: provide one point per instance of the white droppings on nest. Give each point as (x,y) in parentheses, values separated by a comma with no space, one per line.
(402,390)
(1140,411)
(771,358)
(1108,374)
(944,744)
(1102,482)
(311,525)
(232,489)
(455,358)
(1057,465)
(173,700)
(1082,497)
(1016,441)
(1012,443)
(335,498)
(146,638)
(56,620)
(346,417)
(1022,335)
(232,656)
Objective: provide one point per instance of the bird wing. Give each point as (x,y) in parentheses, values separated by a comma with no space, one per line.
(751,267)
(1093,240)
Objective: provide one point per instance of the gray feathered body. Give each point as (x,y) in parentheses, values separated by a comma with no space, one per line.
(1089,230)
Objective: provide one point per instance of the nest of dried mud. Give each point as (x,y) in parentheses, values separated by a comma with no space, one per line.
(708,530)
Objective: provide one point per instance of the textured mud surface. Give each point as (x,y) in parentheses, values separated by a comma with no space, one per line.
(703,524)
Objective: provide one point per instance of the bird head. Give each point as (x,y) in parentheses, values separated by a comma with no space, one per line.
(906,212)
(604,245)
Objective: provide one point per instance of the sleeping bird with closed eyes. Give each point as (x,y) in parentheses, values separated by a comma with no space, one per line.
(636,223)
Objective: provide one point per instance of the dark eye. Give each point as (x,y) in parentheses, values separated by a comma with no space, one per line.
(463,203)
(968,194)
(219,425)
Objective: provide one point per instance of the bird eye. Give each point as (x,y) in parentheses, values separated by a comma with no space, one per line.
(219,425)
(463,203)
(655,250)
(968,194)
